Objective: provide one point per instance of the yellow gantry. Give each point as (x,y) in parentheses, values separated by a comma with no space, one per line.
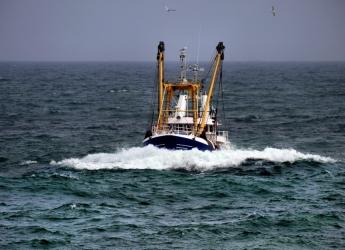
(166,91)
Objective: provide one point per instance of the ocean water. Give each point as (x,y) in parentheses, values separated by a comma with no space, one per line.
(73,172)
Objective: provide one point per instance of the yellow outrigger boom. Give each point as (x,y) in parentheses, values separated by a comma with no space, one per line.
(215,72)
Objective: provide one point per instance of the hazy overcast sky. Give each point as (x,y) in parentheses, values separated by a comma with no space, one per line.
(129,30)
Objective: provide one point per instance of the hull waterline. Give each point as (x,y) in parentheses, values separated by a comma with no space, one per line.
(178,142)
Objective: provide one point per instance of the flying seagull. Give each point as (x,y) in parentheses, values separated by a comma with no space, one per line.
(273,11)
(168,9)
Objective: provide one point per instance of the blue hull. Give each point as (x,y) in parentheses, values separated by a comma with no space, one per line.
(177,143)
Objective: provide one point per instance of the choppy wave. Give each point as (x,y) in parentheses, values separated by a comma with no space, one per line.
(159,159)
(28,162)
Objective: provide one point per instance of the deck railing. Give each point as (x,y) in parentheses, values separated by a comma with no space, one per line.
(184,129)
(172,129)
(215,136)
(225,134)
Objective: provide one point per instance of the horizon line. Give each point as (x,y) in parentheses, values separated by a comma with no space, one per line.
(168,61)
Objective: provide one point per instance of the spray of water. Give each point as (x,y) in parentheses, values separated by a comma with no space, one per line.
(153,158)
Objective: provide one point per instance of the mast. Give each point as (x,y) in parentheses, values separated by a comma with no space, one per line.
(160,62)
(183,64)
(215,72)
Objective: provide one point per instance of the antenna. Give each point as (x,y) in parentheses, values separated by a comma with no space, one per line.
(195,67)
(197,53)
(183,63)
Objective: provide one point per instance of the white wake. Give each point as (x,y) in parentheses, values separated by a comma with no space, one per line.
(153,158)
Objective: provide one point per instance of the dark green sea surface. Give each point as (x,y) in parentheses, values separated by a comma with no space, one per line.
(73,173)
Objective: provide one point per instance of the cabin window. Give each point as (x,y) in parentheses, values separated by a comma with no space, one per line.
(210,128)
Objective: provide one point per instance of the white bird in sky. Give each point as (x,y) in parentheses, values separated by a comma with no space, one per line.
(273,11)
(167,9)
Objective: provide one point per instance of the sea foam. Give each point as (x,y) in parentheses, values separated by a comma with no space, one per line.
(153,158)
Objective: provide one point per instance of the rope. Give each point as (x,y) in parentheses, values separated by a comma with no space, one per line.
(210,63)
(222,98)
(154,90)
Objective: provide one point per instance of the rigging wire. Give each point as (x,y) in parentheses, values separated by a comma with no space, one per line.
(220,98)
(153,97)
(211,63)
(226,124)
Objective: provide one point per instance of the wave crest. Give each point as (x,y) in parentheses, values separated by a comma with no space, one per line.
(159,159)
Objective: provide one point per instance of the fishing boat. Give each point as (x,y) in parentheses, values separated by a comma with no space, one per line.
(186,118)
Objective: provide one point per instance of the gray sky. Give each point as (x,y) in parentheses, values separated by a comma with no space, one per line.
(129,30)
